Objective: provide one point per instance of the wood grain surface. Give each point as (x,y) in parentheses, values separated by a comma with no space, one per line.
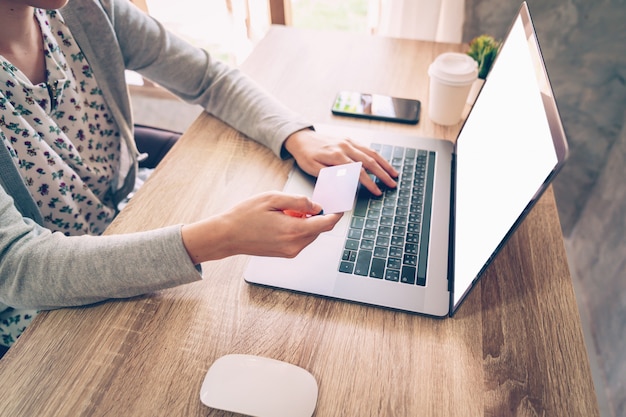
(515,347)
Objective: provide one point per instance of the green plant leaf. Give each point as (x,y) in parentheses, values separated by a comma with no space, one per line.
(483,49)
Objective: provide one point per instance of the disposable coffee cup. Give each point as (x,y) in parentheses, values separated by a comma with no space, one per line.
(451,77)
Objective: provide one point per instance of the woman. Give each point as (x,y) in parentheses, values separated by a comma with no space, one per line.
(68,157)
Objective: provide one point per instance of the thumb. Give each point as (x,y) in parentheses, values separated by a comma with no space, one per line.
(298,206)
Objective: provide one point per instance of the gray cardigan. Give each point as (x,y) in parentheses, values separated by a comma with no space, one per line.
(43,270)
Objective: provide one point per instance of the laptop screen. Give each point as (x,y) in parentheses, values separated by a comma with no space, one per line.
(511,145)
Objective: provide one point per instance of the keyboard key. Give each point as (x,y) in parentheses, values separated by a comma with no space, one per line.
(392,275)
(388,211)
(412,238)
(352,244)
(377,269)
(369,234)
(394,263)
(382,241)
(399,230)
(384,231)
(357,222)
(367,244)
(373,214)
(375,204)
(400,221)
(407,275)
(410,248)
(381,252)
(395,251)
(417,199)
(386,221)
(371,224)
(362,265)
(346,267)
(360,208)
(405,184)
(391,193)
(409,260)
(402,211)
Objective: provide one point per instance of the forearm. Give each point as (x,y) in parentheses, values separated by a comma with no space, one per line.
(196,77)
(208,239)
(44,270)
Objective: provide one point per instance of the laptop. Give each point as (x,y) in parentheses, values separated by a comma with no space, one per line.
(423,249)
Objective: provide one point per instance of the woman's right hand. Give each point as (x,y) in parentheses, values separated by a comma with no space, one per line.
(258,226)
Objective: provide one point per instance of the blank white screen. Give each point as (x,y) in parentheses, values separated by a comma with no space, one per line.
(505,152)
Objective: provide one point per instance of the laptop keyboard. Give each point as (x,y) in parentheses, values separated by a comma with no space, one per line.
(388,235)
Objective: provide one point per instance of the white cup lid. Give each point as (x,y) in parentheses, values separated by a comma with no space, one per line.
(454,68)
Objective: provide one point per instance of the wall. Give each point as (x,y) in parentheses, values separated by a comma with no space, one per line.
(597,249)
(584,46)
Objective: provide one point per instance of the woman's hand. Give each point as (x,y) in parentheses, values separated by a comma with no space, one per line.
(258,226)
(314,151)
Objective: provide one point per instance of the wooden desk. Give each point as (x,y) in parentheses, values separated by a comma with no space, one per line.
(514,348)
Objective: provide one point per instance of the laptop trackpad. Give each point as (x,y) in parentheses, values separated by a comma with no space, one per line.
(313,270)
(380,292)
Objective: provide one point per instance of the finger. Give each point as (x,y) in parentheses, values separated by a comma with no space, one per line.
(295,205)
(329,158)
(385,165)
(374,163)
(371,166)
(324,222)
(366,180)
(381,173)
(310,229)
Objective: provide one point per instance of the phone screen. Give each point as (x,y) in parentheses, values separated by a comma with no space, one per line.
(376,106)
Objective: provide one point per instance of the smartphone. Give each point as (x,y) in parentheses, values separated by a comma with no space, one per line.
(377,107)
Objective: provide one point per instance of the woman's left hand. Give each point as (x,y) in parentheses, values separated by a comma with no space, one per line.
(314,151)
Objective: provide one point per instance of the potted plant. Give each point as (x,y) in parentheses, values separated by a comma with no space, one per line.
(483,49)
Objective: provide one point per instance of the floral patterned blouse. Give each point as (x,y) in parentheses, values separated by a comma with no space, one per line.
(64,142)
(61,134)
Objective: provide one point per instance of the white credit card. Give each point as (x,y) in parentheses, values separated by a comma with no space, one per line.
(336,186)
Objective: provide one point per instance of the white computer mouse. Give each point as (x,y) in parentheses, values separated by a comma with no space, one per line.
(259,387)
